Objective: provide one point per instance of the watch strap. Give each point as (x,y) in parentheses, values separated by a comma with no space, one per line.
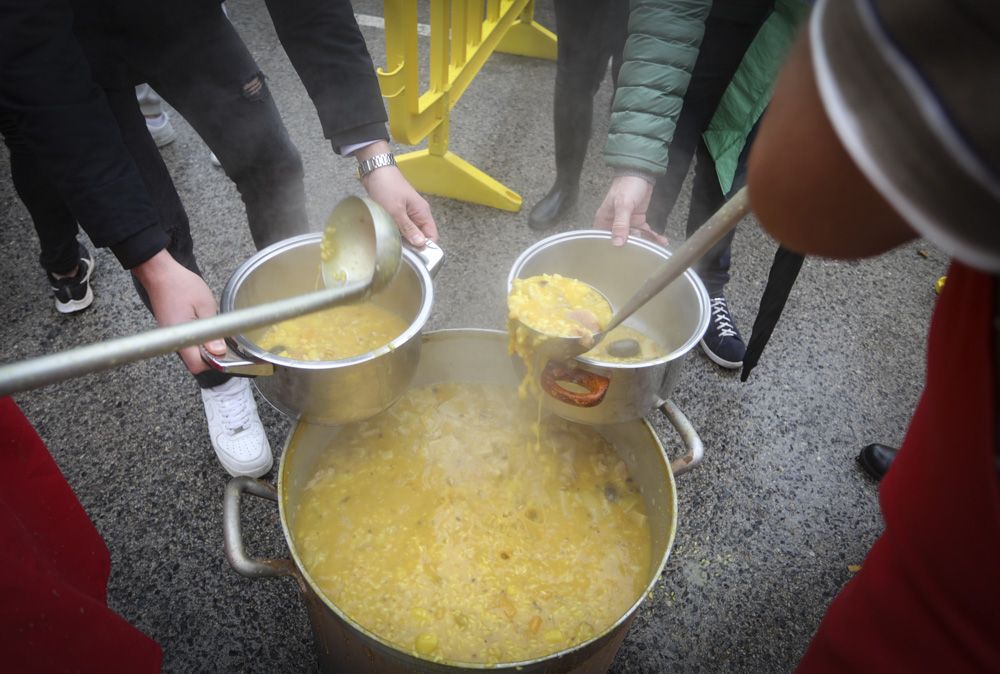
(376,161)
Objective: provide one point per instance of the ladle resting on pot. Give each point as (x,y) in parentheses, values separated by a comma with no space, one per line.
(725,219)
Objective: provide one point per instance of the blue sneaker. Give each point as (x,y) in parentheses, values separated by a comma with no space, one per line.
(722,342)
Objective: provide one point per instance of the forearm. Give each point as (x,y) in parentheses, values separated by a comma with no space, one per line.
(328,51)
(660,53)
(65,123)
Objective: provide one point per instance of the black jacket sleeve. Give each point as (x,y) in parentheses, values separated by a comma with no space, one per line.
(46,84)
(324,43)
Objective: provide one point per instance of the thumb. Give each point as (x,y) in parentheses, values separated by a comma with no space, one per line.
(621,223)
(409,230)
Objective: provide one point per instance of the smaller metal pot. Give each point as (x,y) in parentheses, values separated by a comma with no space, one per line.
(328,392)
(608,393)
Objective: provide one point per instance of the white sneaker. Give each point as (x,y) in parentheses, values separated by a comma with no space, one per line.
(162,131)
(237,435)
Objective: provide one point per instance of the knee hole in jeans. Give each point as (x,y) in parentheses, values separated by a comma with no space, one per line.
(253,90)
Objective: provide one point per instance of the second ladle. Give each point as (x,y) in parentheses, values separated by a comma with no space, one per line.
(366,257)
(689,252)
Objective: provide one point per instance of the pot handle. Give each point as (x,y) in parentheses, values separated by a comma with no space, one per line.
(235,363)
(596,385)
(431,255)
(252,567)
(695,448)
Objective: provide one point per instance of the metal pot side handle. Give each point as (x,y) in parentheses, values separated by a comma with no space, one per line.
(431,255)
(695,448)
(595,384)
(236,364)
(252,567)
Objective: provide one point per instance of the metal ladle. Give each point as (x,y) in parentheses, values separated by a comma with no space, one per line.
(689,252)
(365,254)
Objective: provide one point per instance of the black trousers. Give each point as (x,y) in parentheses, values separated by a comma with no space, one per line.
(209,76)
(723,46)
(591,32)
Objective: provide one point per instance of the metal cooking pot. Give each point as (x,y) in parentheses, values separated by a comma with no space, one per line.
(327,392)
(342,645)
(677,318)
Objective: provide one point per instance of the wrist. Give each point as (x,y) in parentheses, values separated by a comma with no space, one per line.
(372,149)
(154,267)
(374,162)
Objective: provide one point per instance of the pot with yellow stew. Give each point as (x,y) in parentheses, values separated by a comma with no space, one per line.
(597,388)
(339,365)
(464,529)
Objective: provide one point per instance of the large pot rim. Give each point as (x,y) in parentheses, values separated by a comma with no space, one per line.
(452,333)
(690,276)
(250,348)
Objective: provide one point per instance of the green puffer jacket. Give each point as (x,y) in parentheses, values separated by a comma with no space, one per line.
(662,47)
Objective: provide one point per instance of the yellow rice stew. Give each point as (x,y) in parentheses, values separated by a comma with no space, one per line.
(447,529)
(558,306)
(333,334)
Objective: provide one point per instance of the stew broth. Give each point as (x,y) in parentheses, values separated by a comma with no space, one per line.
(444,527)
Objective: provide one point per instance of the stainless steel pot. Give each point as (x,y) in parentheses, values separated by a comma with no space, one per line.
(676,318)
(328,392)
(343,645)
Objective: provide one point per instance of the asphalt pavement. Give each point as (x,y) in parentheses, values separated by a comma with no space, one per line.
(770,525)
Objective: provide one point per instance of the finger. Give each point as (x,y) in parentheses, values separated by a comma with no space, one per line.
(620,225)
(193,361)
(648,233)
(425,221)
(604,215)
(409,229)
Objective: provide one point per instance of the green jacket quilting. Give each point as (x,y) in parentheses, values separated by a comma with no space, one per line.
(662,47)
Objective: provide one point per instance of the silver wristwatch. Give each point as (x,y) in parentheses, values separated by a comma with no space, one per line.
(376,161)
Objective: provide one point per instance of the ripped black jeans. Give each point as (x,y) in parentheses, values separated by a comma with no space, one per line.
(210,78)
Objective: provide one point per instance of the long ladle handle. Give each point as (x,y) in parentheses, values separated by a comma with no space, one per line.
(686,254)
(56,367)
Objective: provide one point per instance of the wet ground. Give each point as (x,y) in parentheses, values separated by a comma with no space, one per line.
(770,524)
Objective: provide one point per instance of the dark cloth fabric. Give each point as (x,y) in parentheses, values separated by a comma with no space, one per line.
(328,51)
(926,597)
(134,41)
(590,34)
(211,79)
(725,42)
(61,117)
(784,270)
(56,225)
(54,569)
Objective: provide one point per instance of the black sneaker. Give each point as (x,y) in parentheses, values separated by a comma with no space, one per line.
(73,293)
(722,341)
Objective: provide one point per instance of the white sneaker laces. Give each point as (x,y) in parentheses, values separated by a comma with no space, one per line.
(234,409)
(722,318)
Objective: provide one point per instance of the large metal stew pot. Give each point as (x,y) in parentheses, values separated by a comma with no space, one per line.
(328,392)
(676,318)
(342,645)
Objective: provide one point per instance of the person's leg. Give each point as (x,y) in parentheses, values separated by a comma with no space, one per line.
(722,342)
(157,119)
(236,432)
(211,79)
(722,49)
(67,262)
(584,48)
(706,198)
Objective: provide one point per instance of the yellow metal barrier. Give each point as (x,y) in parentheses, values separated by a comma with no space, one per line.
(463,35)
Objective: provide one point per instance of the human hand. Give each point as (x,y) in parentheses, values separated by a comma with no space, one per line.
(391,190)
(178,295)
(623,211)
